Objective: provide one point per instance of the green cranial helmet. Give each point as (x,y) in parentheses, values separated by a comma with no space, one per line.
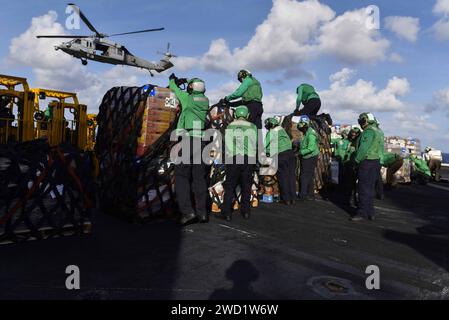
(304,121)
(243,74)
(241,112)
(196,85)
(376,122)
(354,133)
(271,123)
(366,118)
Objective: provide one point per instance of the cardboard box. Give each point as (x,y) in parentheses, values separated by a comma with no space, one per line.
(159,114)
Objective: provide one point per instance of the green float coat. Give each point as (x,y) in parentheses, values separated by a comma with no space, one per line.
(194,108)
(283,142)
(249,90)
(241,138)
(309,145)
(369,145)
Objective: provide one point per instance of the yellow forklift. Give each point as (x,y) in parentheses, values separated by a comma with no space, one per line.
(22,119)
(16,110)
(62,121)
(66,122)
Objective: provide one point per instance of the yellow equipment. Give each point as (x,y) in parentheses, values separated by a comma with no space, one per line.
(62,130)
(16,111)
(91,131)
(22,119)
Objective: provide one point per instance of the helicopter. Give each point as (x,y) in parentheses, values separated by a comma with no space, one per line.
(97,47)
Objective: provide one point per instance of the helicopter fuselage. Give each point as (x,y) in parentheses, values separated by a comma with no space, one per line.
(103,50)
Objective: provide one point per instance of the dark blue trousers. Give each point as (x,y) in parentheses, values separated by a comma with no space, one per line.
(368,174)
(287,175)
(306,177)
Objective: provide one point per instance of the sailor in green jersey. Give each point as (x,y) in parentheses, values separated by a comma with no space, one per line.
(393,162)
(421,170)
(241,146)
(278,142)
(349,169)
(308,152)
(379,181)
(48,113)
(341,149)
(194,107)
(368,160)
(250,91)
(311,101)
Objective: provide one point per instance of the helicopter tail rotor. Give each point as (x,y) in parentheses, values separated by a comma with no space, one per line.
(167,54)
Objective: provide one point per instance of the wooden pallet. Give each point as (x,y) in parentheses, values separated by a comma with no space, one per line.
(47,233)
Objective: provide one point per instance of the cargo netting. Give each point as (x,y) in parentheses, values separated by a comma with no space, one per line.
(45,191)
(132,187)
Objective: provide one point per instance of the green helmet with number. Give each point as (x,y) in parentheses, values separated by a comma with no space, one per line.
(304,121)
(354,133)
(366,118)
(271,123)
(243,74)
(196,85)
(241,112)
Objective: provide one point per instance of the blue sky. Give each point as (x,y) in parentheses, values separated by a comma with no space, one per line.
(420,80)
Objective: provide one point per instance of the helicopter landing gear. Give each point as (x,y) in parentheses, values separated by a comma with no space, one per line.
(84,62)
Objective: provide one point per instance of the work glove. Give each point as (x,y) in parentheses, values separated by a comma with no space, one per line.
(173,77)
(181,81)
(296,113)
(223,101)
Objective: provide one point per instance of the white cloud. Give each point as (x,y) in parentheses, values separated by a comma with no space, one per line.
(347,38)
(413,124)
(404,27)
(441,27)
(440,101)
(280,41)
(441,7)
(345,101)
(293,32)
(343,75)
(26,49)
(221,91)
(395,57)
(279,103)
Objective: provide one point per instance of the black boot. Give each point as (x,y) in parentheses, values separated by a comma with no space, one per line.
(246,216)
(226,217)
(186,218)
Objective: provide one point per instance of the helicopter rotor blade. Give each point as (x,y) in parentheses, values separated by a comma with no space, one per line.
(85,20)
(141,31)
(67,36)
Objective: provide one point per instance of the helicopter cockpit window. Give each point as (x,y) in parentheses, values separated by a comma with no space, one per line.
(78,41)
(120,52)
